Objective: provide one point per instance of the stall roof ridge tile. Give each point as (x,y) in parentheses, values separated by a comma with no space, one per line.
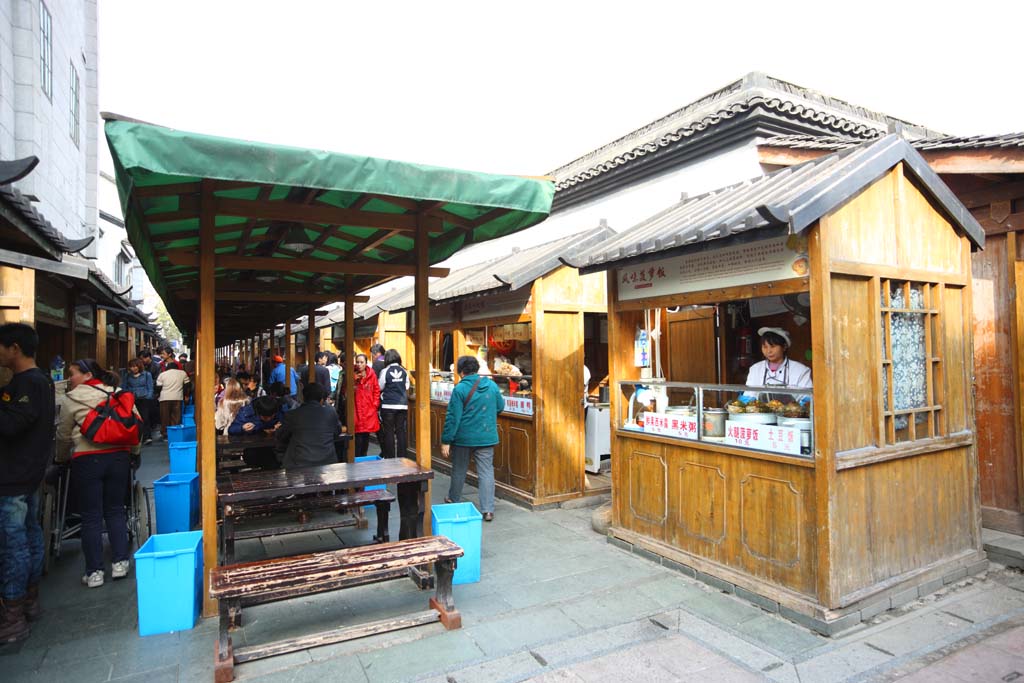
(747,95)
(792,198)
(834,143)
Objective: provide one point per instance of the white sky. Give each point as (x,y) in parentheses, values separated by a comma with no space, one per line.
(523,87)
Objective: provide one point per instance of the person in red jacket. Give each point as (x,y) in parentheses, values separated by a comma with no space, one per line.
(367,397)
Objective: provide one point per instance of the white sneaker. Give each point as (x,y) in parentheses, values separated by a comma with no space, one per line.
(119,570)
(93,580)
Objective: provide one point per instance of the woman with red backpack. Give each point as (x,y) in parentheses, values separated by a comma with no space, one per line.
(100,471)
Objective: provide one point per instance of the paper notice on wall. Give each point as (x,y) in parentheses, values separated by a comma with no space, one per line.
(770,260)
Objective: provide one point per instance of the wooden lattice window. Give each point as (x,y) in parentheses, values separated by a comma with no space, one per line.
(45,50)
(911,360)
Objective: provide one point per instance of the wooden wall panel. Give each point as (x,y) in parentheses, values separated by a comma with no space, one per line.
(926,239)
(956,359)
(561,290)
(997,438)
(751,515)
(862,230)
(901,515)
(621,326)
(594,290)
(856,366)
(558,395)
(691,349)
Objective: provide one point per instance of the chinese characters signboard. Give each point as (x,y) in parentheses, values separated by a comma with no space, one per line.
(679,426)
(763,437)
(519,405)
(778,258)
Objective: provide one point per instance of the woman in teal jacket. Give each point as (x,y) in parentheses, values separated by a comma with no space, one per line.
(471,429)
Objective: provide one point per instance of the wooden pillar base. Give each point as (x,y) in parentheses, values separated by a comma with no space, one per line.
(451,619)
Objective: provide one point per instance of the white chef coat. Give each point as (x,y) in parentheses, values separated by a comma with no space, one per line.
(790,373)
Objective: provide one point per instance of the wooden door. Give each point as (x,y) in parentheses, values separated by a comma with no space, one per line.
(692,351)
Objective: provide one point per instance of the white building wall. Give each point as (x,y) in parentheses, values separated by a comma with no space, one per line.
(33,124)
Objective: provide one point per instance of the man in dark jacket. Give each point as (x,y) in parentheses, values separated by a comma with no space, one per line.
(26,448)
(261,416)
(306,436)
(471,429)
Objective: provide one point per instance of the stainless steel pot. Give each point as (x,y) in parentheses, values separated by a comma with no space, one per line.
(603,394)
(714,422)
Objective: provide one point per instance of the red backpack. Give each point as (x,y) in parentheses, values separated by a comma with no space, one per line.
(113,420)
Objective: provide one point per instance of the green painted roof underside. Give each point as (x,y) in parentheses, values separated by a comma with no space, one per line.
(147,155)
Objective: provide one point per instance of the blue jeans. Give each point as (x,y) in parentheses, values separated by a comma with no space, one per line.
(484,456)
(21,544)
(101,484)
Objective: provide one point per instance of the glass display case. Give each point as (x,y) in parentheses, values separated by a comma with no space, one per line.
(780,420)
(517,390)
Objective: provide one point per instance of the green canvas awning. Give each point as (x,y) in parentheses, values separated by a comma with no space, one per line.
(359,214)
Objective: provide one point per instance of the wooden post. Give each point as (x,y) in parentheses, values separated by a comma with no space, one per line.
(204,358)
(311,340)
(100,322)
(289,354)
(422,375)
(69,338)
(350,359)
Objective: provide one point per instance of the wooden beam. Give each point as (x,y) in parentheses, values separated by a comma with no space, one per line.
(319,213)
(206,433)
(985,160)
(995,193)
(266,297)
(784,156)
(306,265)
(422,366)
(311,341)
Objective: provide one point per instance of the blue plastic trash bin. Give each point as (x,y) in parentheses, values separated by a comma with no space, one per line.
(463,524)
(177,502)
(169,580)
(182,432)
(188,421)
(183,457)
(188,409)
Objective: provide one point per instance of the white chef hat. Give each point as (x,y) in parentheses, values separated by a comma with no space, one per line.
(776,330)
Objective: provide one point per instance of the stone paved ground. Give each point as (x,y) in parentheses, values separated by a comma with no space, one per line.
(555,603)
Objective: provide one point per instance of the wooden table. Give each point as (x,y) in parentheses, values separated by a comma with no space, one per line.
(230,447)
(269,485)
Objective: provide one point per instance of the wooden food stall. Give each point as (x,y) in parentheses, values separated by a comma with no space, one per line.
(873,494)
(525,318)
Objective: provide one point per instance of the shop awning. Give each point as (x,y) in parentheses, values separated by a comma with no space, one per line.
(789,200)
(326,224)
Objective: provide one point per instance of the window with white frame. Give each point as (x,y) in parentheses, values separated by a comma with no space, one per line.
(75,124)
(45,50)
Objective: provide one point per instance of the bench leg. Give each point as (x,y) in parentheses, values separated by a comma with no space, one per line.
(383,512)
(223,654)
(228,529)
(443,601)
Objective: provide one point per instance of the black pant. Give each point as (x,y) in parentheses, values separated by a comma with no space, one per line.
(101,484)
(362,443)
(341,450)
(394,432)
(149,408)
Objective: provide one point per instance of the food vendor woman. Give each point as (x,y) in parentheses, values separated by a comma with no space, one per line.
(777,369)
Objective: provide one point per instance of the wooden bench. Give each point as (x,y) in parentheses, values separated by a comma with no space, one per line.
(288,577)
(301,507)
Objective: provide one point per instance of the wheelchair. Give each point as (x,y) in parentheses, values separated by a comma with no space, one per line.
(61,521)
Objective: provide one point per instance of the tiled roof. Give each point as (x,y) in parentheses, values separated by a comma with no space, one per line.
(32,220)
(791,199)
(752,94)
(833,143)
(509,273)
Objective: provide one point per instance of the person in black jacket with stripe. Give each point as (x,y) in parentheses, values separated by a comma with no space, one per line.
(394,406)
